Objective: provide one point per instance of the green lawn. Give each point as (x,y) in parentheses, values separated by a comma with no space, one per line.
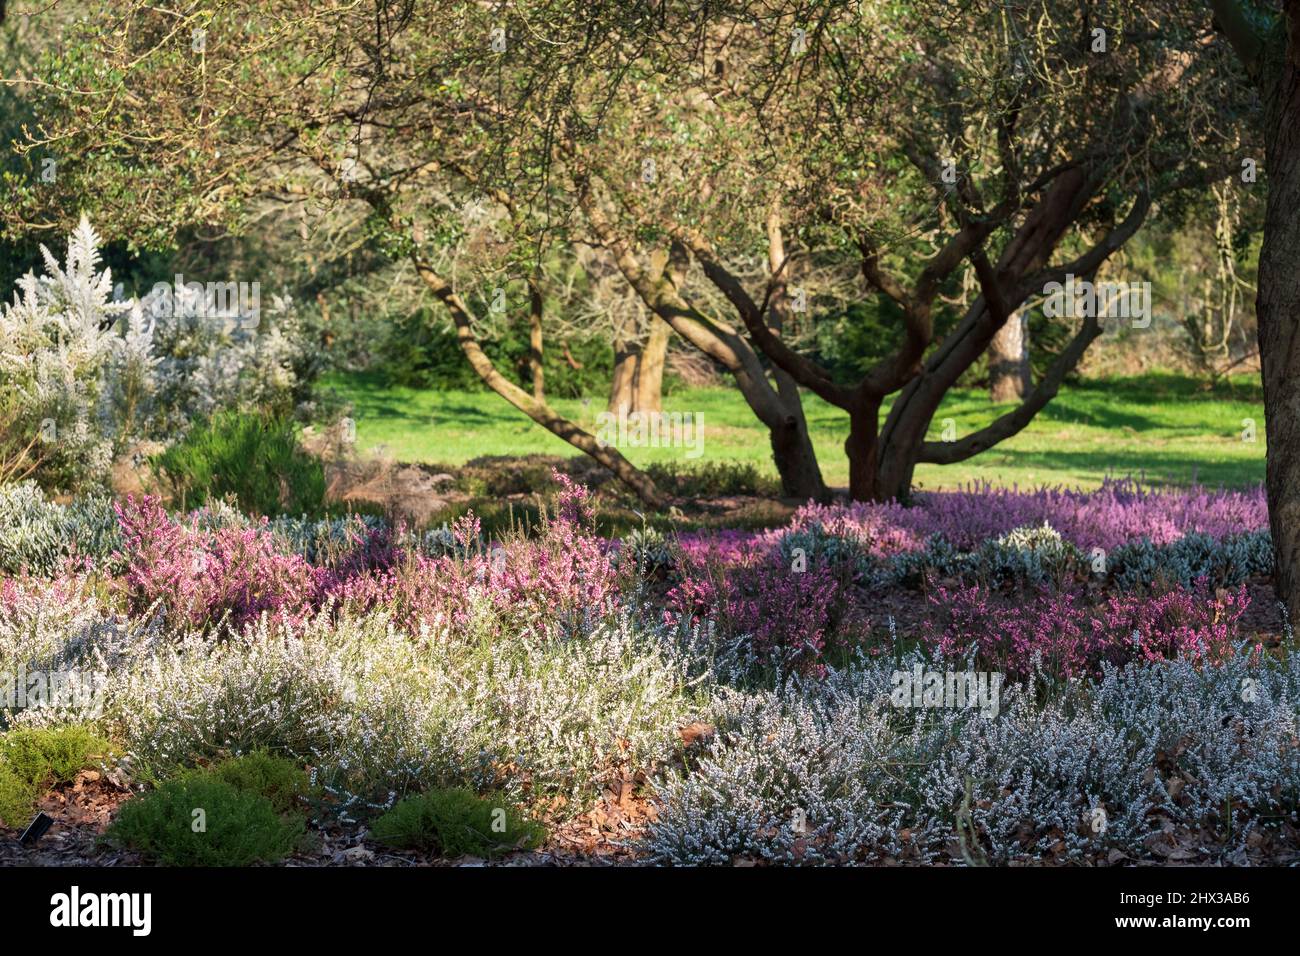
(1163,426)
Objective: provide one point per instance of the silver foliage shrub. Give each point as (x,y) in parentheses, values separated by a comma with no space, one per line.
(1032,556)
(86,374)
(832,771)
(1222,562)
(38,536)
(379,712)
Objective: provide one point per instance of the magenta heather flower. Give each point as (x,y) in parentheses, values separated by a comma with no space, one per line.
(739,581)
(199,577)
(1070,637)
(1117,512)
(563,573)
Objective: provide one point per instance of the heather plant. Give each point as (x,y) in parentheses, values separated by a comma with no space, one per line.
(37,616)
(567,568)
(648,550)
(721,546)
(201,577)
(791,615)
(800,774)
(531,717)
(457,822)
(1023,557)
(199,820)
(829,771)
(379,712)
(328,542)
(39,536)
(1064,634)
(191,700)
(555,579)
(815,545)
(1105,518)
(439,595)
(590,706)
(1222,562)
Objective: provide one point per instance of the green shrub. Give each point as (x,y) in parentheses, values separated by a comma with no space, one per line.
(707,479)
(253,458)
(281,781)
(457,822)
(33,760)
(420,350)
(199,820)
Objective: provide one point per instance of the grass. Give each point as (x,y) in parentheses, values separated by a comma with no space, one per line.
(1169,428)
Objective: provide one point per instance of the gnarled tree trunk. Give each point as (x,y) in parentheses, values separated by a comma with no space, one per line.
(1271,55)
(539,412)
(778,407)
(536,306)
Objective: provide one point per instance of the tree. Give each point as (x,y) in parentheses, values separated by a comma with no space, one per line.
(1008,357)
(1267,40)
(723,148)
(911,144)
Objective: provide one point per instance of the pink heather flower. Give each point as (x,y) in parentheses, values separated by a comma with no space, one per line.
(739,581)
(200,577)
(565,572)
(1071,637)
(1117,512)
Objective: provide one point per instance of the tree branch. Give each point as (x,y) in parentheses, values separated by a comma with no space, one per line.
(1003,427)
(537,410)
(1235,19)
(804,371)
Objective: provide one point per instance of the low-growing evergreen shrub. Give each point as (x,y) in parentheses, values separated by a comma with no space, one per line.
(199,820)
(33,760)
(1024,557)
(278,779)
(457,822)
(1222,562)
(705,479)
(38,536)
(254,459)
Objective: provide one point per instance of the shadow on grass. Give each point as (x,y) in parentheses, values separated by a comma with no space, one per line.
(1153,467)
(1163,386)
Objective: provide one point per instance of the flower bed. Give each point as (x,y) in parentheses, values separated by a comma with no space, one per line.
(552,666)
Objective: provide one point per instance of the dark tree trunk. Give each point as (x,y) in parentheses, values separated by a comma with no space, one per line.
(792,447)
(863,448)
(536,307)
(622,388)
(1278,307)
(796,462)
(1029,250)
